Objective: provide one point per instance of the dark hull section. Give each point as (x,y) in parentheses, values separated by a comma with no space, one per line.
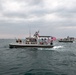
(30,46)
(66,41)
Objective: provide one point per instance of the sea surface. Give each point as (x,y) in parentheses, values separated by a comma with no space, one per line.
(59,60)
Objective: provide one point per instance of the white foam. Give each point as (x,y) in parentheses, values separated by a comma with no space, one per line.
(54,48)
(57,47)
(44,48)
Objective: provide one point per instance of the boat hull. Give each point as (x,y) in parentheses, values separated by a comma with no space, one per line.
(66,41)
(29,46)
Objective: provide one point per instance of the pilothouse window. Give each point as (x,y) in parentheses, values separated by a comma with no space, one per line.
(31,40)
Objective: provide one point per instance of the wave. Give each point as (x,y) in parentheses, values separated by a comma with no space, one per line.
(54,48)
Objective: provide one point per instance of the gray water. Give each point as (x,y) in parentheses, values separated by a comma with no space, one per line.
(60,60)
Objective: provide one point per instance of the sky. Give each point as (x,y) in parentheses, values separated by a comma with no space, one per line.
(18,18)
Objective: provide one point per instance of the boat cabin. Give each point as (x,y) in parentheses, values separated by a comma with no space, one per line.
(45,40)
(31,40)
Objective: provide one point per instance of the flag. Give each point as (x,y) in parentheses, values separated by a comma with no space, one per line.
(53,38)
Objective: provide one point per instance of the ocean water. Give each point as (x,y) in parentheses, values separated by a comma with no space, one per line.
(59,60)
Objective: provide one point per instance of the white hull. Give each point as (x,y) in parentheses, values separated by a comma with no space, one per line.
(17,45)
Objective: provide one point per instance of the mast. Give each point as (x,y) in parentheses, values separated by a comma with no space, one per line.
(29,31)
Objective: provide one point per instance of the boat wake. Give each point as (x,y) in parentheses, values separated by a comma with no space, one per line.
(44,48)
(57,47)
(54,48)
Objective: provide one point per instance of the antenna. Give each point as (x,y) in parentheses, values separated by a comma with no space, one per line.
(29,31)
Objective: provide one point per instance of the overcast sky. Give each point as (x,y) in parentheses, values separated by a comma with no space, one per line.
(51,17)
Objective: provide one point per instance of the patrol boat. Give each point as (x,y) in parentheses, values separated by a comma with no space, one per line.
(35,42)
(68,39)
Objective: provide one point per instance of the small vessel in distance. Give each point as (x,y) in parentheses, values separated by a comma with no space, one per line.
(68,39)
(36,42)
